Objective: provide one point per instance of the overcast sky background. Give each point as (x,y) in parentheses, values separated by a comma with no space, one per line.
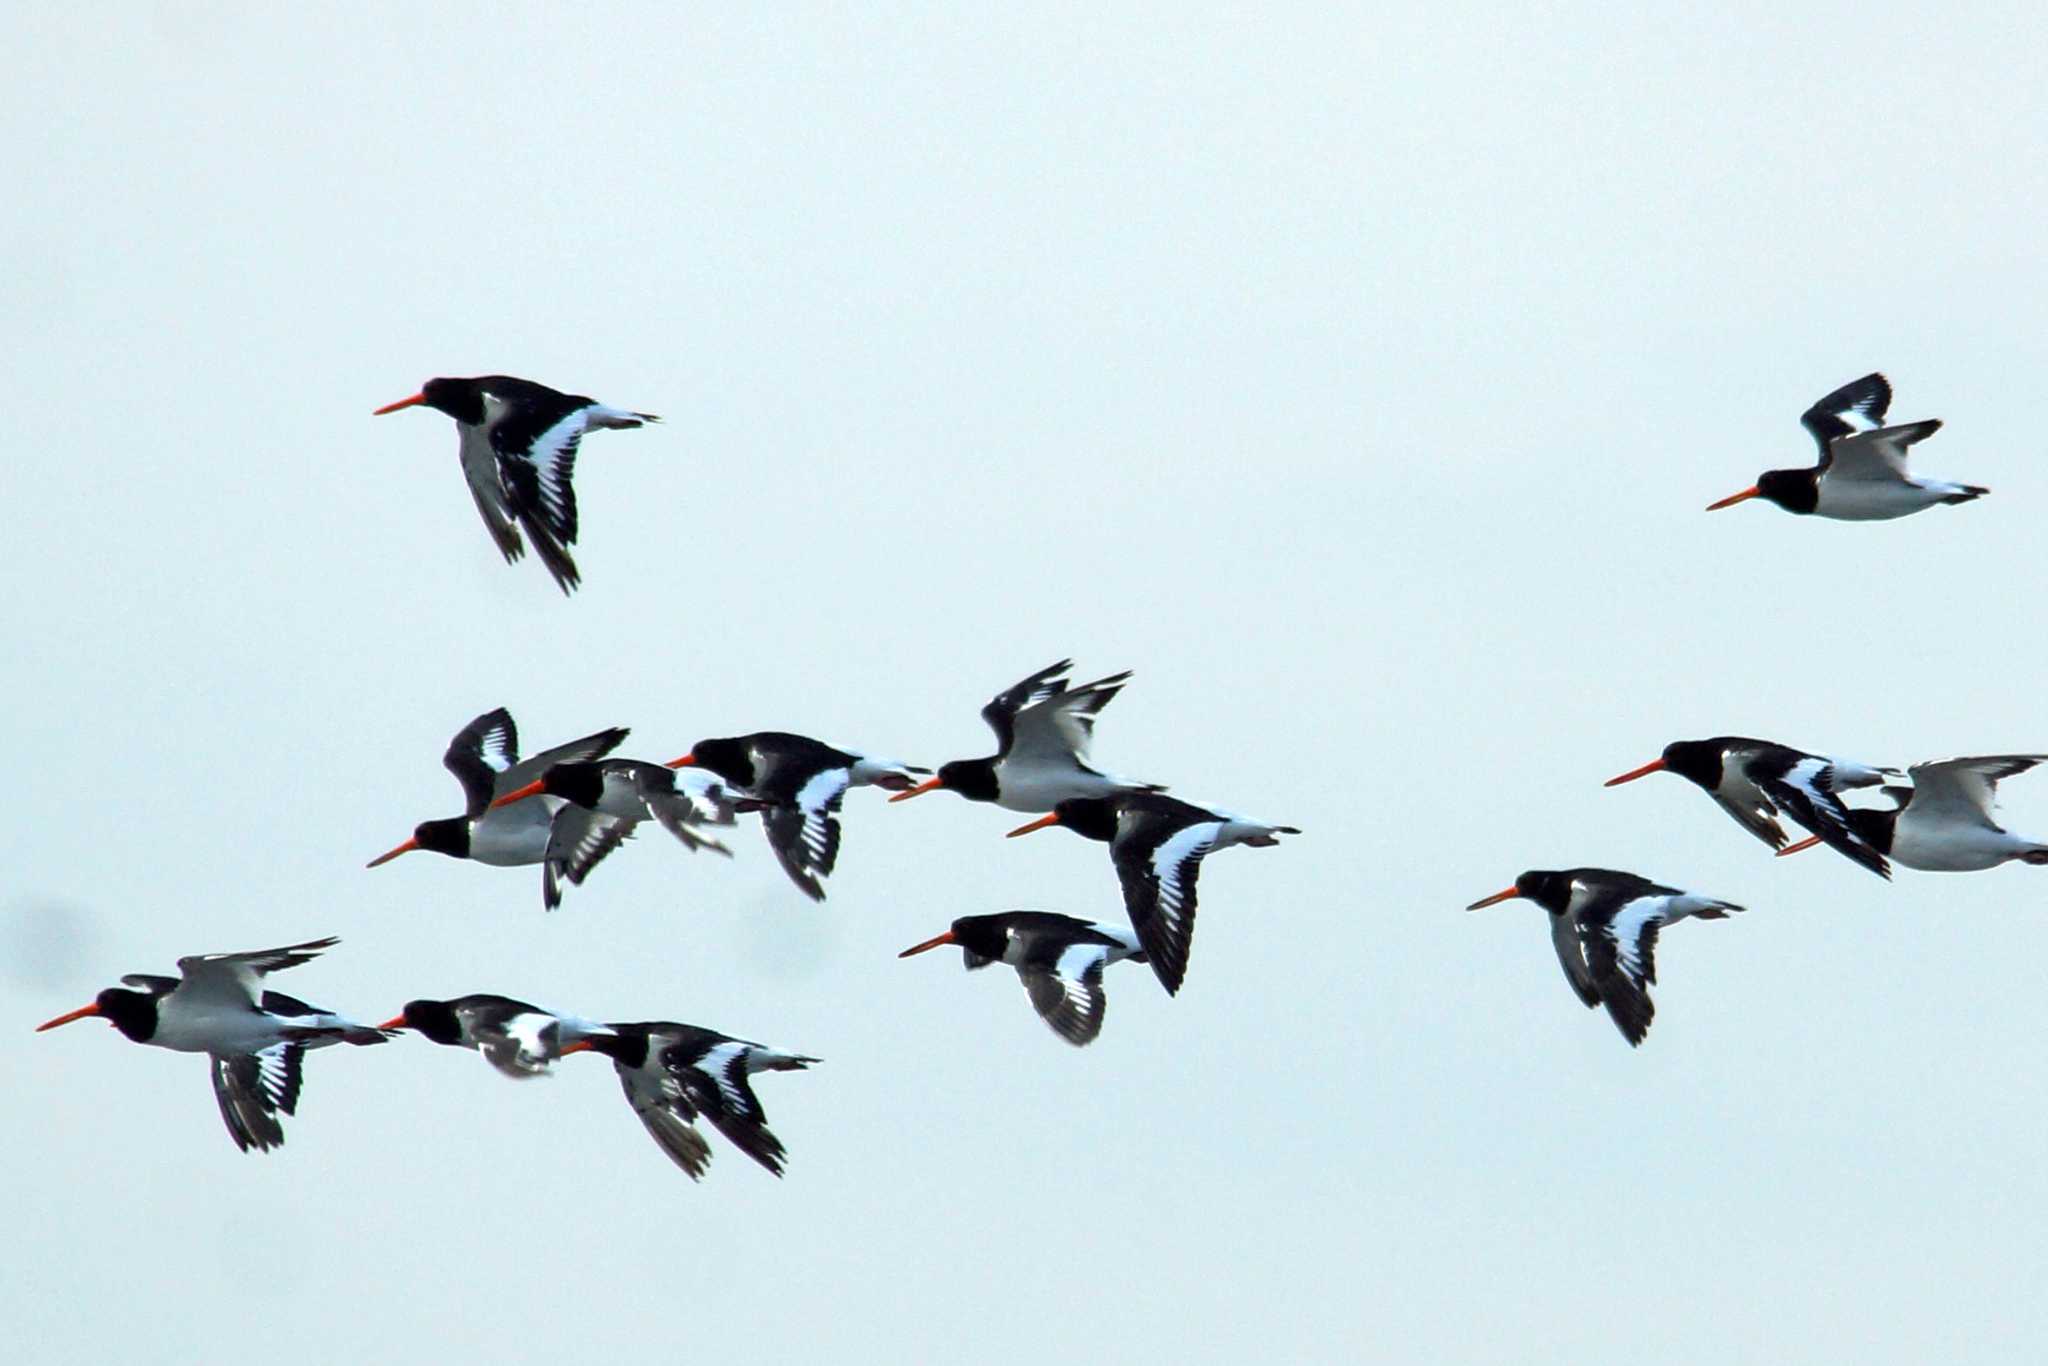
(1358,379)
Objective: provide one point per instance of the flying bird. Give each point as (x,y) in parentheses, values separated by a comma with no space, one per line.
(256,1039)
(1157,843)
(1753,780)
(797,784)
(1043,728)
(1862,474)
(518,445)
(565,839)
(1058,958)
(1942,823)
(671,1073)
(1604,927)
(682,801)
(517,1038)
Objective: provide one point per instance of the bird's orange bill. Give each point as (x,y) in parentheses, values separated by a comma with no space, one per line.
(532,789)
(1732,499)
(928,785)
(391,854)
(1654,766)
(79,1014)
(938,941)
(1039,824)
(402,403)
(684,762)
(580,1046)
(395,1022)
(1806,843)
(1509,895)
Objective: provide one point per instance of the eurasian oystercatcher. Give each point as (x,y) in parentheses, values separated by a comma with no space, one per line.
(256,1039)
(634,790)
(518,450)
(1604,926)
(1942,823)
(797,784)
(1752,780)
(1862,474)
(1043,728)
(672,1072)
(1058,958)
(1157,844)
(518,1039)
(565,839)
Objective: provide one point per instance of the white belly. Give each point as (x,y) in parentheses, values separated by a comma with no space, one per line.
(1954,849)
(1874,500)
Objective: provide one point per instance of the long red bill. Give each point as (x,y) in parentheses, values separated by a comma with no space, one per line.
(1732,499)
(928,785)
(580,1046)
(1509,895)
(1039,824)
(391,854)
(1806,843)
(1654,766)
(79,1014)
(415,400)
(937,941)
(684,762)
(530,790)
(395,1022)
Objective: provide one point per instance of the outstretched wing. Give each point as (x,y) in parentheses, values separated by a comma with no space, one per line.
(254,1088)
(1159,893)
(805,833)
(1068,996)
(1867,398)
(233,979)
(1001,711)
(487,488)
(1571,955)
(1806,793)
(1880,455)
(716,1083)
(479,756)
(659,1100)
(1064,723)
(1966,789)
(1621,953)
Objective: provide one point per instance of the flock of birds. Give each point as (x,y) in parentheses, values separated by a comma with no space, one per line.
(567,808)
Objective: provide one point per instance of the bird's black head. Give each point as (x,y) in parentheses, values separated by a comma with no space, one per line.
(1792,490)
(450,836)
(131,1012)
(974,779)
(1697,760)
(980,937)
(461,399)
(626,1045)
(728,757)
(984,937)
(1093,817)
(1551,891)
(435,1020)
(581,783)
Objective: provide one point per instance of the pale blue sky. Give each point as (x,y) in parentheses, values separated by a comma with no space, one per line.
(1357,378)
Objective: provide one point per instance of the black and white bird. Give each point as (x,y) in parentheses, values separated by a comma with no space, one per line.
(1942,823)
(518,449)
(1754,780)
(797,784)
(1604,927)
(517,1038)
(1157,843)
(671,1073)
(682,801)
(1862,474)
(1058,958)
(1043,728)
(565,839)
(256,1039)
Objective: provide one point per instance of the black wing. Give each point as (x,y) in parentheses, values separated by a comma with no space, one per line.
(254,1088)
(1001,711)
(1868,397)
(1158,877)
(480,751)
